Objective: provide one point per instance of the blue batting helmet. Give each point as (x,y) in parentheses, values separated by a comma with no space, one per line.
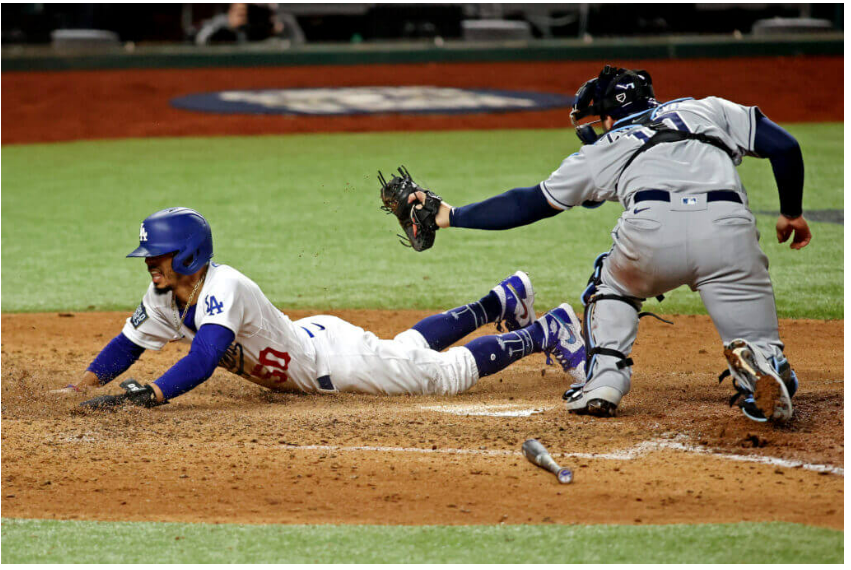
(181,231)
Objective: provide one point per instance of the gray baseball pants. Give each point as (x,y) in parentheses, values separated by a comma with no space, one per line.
(658,246)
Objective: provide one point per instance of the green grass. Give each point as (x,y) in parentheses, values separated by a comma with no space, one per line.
(45,541)
(299,215)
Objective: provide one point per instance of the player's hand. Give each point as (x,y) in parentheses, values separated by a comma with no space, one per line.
(67,390)
(442,218)
(786,227)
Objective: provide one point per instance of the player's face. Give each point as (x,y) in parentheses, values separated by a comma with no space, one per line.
(162,275)
(608,123)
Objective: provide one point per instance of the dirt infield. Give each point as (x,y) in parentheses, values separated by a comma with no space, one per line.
(232,452)
(58,106)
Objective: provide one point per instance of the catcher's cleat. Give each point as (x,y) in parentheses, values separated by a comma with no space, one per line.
(564,340)
(761,393)
(517,299)
(784,370)
(594,402)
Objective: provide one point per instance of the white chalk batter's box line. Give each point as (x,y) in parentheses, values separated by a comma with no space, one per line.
(622,455)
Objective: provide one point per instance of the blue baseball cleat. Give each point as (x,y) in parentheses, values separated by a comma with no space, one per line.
(564,340)
(517,298)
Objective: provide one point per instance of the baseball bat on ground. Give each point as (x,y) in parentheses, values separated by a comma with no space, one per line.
(536,453)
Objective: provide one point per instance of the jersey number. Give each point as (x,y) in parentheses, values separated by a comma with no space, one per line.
(275,364)
(672,118)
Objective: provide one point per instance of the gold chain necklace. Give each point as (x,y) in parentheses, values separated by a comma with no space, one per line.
(174,311)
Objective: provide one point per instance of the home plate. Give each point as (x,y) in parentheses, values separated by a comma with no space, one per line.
(495,410)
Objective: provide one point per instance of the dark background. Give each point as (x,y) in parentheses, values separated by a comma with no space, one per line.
(32,23)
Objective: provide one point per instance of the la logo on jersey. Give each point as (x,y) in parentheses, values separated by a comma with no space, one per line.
(213,306)
(143,235)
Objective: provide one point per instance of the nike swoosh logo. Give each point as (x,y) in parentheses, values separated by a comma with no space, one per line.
(637,211)
(525,314)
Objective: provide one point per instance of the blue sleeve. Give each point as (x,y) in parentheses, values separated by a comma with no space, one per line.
(773,142)
(208,347)
(115,358)
(512,209)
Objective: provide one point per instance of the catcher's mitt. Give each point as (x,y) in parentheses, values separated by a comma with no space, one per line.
(135,394)
(420,224)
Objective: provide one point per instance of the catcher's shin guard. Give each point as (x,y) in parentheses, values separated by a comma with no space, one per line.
(609,329)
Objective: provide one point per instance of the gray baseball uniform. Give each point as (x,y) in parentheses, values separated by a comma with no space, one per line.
(711,246)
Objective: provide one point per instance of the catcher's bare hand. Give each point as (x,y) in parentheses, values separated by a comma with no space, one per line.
(786,227)
(442,218)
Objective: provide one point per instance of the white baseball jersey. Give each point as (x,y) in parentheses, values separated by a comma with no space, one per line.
(597,171)
(273,351)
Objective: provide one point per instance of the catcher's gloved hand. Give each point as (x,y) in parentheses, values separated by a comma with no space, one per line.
(135,394)
(419,223)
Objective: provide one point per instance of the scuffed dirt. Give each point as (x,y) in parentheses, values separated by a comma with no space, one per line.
(229,451)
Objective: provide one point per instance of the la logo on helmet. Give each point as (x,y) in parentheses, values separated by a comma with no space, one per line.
(143,235)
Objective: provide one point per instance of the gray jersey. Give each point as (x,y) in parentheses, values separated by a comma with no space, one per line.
(597,172)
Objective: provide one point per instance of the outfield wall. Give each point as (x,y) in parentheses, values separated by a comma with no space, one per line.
(276,54)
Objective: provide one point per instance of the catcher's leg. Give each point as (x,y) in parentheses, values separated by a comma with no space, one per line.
(743,311)
(609,327)
(510,301)
(736,290)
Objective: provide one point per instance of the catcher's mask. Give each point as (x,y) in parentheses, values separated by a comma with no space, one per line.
(181,231)
(616,93)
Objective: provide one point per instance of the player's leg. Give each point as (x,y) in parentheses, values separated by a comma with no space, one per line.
(379,366)
(510,301)
(736,290)
(646,260)
(557,333)
(609,328)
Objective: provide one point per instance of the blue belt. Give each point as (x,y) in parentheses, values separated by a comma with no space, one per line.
(665,196)
(325,383)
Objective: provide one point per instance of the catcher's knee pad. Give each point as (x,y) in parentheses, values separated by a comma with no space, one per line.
(592,295)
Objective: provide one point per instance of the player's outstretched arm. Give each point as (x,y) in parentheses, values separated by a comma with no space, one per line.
(512,209)
(208,347)
(113,361)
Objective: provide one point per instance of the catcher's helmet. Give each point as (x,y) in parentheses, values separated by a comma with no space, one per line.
(616,93)
(181,231)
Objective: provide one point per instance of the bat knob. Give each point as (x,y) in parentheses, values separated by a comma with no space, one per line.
(565,475)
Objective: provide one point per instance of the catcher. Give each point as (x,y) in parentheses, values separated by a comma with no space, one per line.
(230,323)
(672,166)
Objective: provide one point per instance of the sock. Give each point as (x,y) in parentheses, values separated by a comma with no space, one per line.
(495,352)
(448,328)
